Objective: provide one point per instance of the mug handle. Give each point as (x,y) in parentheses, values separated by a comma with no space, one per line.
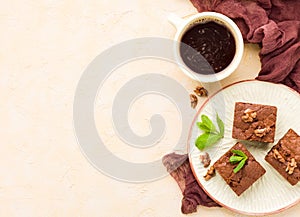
(175,20)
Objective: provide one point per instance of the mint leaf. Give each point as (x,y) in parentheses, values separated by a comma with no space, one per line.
(208,123)
(235,159)
(206,139)
(240,165)
(203,127)
(213,138)
(220,125)
(239,153)
(239,157)
(201,141)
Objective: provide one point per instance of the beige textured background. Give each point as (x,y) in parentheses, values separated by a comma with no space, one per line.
(45,47)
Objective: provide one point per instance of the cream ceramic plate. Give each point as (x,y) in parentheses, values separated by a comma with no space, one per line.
(271,193)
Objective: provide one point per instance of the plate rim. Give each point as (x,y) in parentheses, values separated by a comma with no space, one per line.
(192,167)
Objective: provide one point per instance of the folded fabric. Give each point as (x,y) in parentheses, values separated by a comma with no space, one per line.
(275,25)
(179,168)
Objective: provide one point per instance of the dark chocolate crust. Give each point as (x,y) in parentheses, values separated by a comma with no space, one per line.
(288,147)
(243,179)
(266,118)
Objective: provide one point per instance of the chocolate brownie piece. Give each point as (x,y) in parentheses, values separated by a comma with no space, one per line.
(254,122)
(243,179)
(285,157)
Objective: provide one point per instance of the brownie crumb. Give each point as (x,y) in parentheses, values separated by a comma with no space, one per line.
(205,159)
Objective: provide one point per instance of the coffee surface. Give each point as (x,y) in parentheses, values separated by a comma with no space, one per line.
(207,41)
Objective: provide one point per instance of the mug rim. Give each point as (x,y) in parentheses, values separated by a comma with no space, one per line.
(187,23)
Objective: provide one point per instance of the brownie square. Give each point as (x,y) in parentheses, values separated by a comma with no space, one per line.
(285,157)
(243,179)
(254,122)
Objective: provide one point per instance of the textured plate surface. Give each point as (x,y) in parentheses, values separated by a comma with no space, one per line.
(271,193)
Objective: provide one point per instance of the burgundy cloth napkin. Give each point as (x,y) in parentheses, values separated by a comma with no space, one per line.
(179,168)
(275,25)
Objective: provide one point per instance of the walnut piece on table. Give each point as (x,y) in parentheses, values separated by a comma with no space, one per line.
(194,100)
(200,91)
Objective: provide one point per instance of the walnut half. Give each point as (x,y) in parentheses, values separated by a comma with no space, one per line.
(260,132)
(201,91)
(210,173)
(194,100)
(249,115)
(291,166)
(278,156)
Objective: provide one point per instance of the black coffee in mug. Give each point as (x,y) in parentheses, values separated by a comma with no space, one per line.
(209,42)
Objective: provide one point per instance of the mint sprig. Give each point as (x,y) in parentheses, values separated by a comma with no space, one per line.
(239,157)
(211,135)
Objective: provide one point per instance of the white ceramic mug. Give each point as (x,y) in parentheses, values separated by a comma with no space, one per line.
(183,25)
